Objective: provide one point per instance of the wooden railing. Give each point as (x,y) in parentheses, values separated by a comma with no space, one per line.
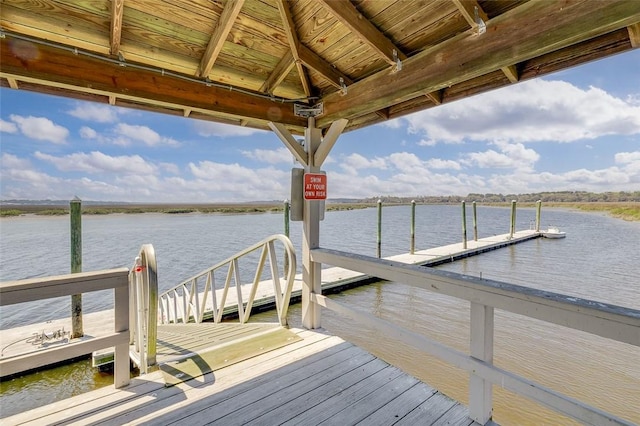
(188,301)
(13,292)
(610,321)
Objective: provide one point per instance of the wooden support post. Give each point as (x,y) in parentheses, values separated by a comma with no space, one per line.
(379,238)
(286,232)
(464,225)
(475,222)
(311,271)
(538,212)
(75,212)
(512,229)
(412,247)
(481,345)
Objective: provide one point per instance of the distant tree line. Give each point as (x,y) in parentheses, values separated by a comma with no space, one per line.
(555,197)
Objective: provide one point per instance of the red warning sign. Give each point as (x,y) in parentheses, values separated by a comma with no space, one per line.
(315,186)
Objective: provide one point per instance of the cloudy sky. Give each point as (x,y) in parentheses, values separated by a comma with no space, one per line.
(574,130)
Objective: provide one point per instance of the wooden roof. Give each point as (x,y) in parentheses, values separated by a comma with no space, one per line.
(246,62)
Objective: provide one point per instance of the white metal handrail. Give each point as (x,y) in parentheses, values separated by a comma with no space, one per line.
(143,308)
(13,292)
(188,301)
(610,321)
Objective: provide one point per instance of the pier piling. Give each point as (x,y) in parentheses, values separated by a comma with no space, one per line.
(379,240)
(412,246)
(75,212)
(475,223)
(513,219)
(538,211)
(464,225)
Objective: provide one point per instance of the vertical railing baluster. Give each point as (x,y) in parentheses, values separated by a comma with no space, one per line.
(481,345)
(236,273)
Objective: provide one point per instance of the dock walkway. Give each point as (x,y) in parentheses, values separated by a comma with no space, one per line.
(319,379)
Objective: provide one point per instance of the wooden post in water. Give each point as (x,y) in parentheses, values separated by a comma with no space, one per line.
(475,222)
(75,212)
(379,247)
(538,211)
(464,225)
(412,247)
(513,219)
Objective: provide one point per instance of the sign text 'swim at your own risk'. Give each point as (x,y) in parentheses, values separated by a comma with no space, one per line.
(315,186)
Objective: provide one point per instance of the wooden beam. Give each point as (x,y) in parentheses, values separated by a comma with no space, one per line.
(292,37)
(13,83)
(634,34)
(311,60)
(349,16)
(511,71)
(328,141)
(186,112)
(435,97)
(60,68)
(112,100)
(282,69)
(289,141)
(220,33)
(525,32)
(117,10)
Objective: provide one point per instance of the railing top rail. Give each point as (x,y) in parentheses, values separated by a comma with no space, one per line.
(280,237)
(604,319)
(28,290)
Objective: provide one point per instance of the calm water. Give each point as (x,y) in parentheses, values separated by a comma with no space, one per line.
(598,260)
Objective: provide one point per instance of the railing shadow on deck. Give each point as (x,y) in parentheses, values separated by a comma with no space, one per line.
(13,292)
(606,320)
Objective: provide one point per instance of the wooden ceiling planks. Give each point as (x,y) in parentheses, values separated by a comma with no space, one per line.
(297,49)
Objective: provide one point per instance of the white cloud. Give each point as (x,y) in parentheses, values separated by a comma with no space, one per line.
(8,127)
(270,156)
(354,162)
(142,134)
(40,128)
(97,162)
(88,133)
(537,110)
(437,163)
(627,157)
(510,156)
(208,128)
(95,112)
(427,142)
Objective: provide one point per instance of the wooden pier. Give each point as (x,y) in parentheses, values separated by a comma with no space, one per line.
(317,379)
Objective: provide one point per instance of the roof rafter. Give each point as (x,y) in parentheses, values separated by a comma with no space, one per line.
(531,30)
(117,10)
(345,12)
(282,69)
(220,33)
(292,37)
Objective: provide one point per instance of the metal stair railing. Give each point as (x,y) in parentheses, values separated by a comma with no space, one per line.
(187,302)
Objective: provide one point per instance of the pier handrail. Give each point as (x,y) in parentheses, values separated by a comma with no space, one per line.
(143,309)
(183,304)
(602,319)
(12,292)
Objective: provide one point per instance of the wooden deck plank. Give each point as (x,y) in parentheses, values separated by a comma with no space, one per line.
(406,402)
(300,404)
(363,408)
(428,412)
(320,410)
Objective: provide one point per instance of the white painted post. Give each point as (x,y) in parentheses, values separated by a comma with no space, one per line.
(481,345)
(538,210)
(121,375)
(513,219)
(311,278)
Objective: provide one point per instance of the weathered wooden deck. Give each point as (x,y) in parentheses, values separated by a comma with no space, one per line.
(317,379)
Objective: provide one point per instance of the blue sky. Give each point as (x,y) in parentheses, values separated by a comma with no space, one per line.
(578,129)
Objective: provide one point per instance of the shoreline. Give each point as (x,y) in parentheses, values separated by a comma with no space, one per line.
(628,211)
